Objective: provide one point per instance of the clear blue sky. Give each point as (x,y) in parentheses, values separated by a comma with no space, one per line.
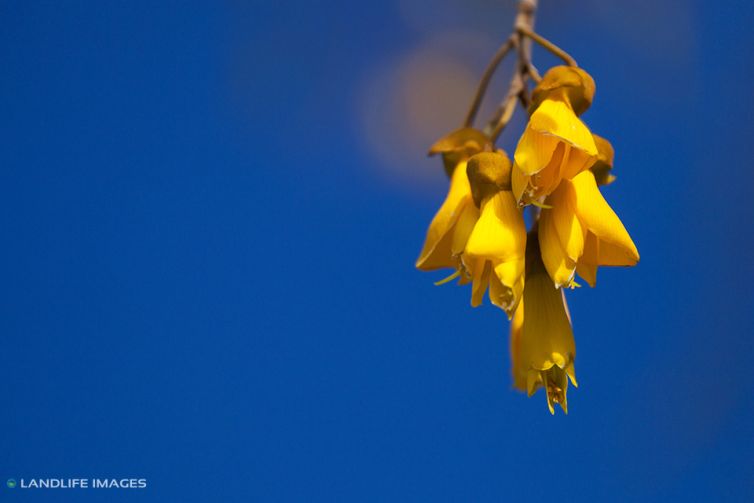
(207,273)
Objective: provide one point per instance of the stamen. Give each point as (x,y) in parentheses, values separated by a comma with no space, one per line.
(540,205)
(554,392)
(449,278)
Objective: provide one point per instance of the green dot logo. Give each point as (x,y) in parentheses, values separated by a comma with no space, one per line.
(11,483)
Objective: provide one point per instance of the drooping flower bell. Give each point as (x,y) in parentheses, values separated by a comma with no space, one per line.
(579,232)
(556,144)
(452,224)
(495,252)
(542,345)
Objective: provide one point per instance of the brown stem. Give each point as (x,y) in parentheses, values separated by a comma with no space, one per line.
(524,22)
(517,89)
(529,33)
(509,106)
(485,81)
(525,59)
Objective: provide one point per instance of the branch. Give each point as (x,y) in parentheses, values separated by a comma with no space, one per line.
(548,45)
(485,81)
(517,89)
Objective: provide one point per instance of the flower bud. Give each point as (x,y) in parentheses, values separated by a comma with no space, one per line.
(577,86)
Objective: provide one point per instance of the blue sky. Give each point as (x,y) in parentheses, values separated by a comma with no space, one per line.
(211,213)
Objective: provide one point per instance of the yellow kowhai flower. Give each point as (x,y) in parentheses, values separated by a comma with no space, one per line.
(495,252)
(579,232)
(451,226)
(542,345)
(556,144)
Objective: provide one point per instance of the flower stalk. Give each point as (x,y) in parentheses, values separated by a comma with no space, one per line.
(557,51)
(502,51)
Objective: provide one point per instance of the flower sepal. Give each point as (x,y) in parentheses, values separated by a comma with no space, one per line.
(458,146)
(603,166)
(574,83)
(488,173)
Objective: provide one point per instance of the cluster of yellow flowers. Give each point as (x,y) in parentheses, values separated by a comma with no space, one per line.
(480,230)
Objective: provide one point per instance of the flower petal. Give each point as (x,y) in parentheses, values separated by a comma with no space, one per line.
(555,117)
(577,161)
(534,150)
(500,295)
(500,233)
(518,368)
(548,179)
(564,219)
(599,218)
(587,266)
(611,254)
(558,265)
(480,279)
(469,214)
(519,182)
(509,273)
(435,253)
(507,285)
(547,337)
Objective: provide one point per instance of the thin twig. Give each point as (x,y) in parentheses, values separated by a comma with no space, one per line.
(524,55)
(486,78)
(557,51)
(532,72)
(517,89)
(525,96)
(509,106)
